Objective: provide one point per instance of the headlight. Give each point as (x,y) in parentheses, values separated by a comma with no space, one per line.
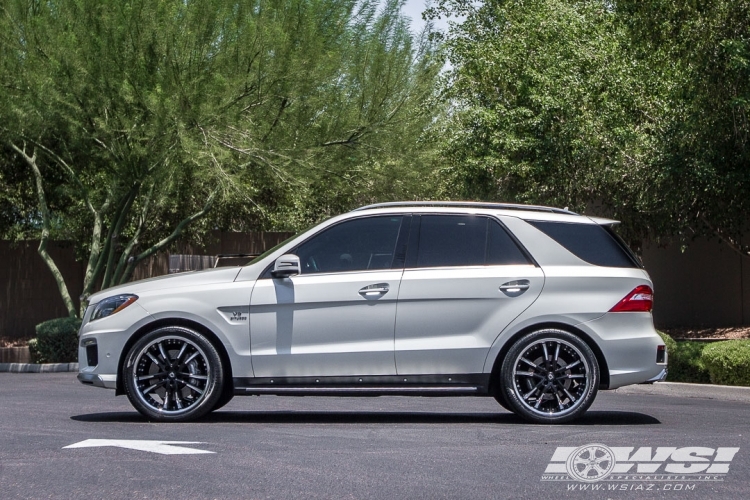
(112,305)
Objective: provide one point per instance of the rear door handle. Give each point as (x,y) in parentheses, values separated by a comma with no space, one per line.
(515,288)
(374,291)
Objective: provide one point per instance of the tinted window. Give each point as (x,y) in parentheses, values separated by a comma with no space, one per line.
(452,240)
(501,249)
(459,240)
(355,245)
(589,242)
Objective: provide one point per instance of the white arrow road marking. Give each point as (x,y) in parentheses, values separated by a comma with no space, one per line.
(161,447)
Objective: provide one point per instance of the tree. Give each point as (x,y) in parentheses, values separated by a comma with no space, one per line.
(698,54)
(340,115)
(97,92)
(137,118)
(638,107)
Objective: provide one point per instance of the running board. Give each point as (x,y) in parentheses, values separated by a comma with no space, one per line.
(359,391)
(366,385)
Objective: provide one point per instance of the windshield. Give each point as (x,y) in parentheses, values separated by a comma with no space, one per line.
(276,247)
(271,250)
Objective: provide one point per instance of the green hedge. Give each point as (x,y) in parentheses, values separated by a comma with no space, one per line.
(685,361)
(728,362)
(56,341)
(686,364)
(725,363)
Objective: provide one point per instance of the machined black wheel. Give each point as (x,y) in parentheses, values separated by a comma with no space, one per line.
(173,374)
(550,376)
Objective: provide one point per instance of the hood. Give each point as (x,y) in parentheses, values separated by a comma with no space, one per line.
(204,277)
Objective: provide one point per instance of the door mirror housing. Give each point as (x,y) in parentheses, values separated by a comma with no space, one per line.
(286,266)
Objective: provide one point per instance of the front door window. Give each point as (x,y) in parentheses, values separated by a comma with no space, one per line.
(358,245)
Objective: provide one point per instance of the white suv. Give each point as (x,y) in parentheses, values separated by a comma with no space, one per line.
(537,307)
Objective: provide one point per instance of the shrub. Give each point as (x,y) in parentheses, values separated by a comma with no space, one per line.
(33,351)
(728,362)
(56,341)
(685,362)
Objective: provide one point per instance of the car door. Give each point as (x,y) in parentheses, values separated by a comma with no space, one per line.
(465,280)
(337,317)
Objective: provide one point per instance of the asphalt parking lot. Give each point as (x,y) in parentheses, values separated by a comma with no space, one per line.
(388,447)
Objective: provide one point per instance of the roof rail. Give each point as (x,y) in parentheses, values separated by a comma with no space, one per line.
(472,204)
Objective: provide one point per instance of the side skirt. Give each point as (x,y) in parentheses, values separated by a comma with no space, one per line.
(366,385)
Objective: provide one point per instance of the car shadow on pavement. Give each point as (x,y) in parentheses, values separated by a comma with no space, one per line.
(362,417)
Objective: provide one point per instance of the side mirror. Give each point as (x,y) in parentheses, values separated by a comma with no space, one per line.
(285,266)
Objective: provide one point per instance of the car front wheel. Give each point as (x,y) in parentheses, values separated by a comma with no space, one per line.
(173,374)
(550,376)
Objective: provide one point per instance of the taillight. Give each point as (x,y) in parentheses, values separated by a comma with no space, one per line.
(641,299)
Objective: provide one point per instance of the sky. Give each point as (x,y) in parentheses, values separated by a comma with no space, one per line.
(413,9)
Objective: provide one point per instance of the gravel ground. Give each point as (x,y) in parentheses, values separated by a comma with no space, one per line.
(735,332)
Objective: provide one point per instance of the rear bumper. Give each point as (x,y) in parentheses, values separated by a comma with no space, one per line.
(629,344)
(661,377)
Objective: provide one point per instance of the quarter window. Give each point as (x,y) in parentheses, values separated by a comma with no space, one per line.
(589,242)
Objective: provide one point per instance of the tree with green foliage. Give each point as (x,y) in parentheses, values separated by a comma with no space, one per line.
(142,121)
(698,59)
(639,108)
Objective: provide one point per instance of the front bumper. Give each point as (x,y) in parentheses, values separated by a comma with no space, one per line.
(97,380)
(102,342)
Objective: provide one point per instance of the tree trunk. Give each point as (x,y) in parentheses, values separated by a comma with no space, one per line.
(59,279)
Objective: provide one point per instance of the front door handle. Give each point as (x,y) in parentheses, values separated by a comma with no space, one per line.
(374,291)
(515,288)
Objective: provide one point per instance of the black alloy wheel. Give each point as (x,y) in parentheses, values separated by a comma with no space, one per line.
(550,376)
(173,374)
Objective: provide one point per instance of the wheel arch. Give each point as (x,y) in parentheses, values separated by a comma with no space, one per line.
(600,359)
(162,322)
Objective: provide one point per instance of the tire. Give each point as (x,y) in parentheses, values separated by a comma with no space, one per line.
(173,374)
(227,394)
(502,402)
(549,377)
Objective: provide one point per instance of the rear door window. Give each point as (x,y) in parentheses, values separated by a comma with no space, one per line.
(501,249)
(589,242)
(465,240)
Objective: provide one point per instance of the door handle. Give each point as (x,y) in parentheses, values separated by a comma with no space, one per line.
(515,288)
(373,291)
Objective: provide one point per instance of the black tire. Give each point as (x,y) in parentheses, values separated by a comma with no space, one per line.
(502,402)
(227,394)
(549,377)
(173,374)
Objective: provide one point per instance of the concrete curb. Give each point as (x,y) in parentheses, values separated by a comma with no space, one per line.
(37,368)
(683,390)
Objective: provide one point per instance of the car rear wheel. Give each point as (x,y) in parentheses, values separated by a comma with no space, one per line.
(550,376)
(173,374)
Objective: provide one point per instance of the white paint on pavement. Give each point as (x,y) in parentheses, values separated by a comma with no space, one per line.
(161,447)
